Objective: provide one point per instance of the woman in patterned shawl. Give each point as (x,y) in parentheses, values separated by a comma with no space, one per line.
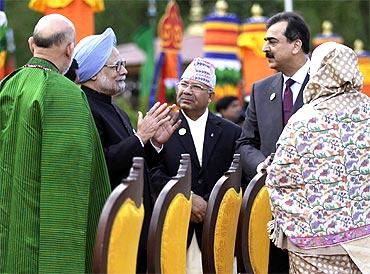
(319,180)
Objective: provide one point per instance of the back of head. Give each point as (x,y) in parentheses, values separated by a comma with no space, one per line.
(296,28)
(53,30)
(334,71)
(53,39)
(225,102)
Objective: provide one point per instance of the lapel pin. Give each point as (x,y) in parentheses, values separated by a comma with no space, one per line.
(272,96)
(182,131)
(211,134)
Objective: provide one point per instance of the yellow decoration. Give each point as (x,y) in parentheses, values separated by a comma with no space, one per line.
(225,231)
(258,237)
(2,58)
(124,241)
(174,235)
(41,5)
(226,90)
(253,39)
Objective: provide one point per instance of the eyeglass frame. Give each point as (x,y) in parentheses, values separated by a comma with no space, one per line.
(118,65)
(191,85)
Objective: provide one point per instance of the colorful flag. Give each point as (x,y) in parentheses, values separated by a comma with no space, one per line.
(169,64)
(144,38)
(220,48)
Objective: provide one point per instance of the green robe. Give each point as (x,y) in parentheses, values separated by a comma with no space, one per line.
(53,177)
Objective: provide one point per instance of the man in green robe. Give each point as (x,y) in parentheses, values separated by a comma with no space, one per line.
(53,177)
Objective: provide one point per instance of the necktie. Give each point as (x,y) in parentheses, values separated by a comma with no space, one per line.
(288,100)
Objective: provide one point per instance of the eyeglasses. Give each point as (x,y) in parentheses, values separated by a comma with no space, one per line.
(118,65)
(193,87)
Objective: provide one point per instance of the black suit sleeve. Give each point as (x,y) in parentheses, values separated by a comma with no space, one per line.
(119,156)
(249,142)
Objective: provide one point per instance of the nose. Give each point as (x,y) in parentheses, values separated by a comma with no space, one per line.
(187,90)
(265,47)
(123,70)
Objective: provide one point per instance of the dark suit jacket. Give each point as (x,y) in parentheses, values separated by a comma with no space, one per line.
(264,122)
(218,150)
(120,145)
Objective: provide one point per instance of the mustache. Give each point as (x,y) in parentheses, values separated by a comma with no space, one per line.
(269,55)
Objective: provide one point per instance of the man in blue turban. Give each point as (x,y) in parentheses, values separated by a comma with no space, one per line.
(102,74)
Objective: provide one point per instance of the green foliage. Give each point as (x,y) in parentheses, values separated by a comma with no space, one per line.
(228,76)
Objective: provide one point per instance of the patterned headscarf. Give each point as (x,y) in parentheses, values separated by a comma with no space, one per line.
(334,72)
(319,180)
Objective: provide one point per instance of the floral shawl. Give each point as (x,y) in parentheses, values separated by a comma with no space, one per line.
(319,181)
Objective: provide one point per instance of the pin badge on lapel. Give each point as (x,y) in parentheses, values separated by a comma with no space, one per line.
(212,134)
(182,131)
(272,96)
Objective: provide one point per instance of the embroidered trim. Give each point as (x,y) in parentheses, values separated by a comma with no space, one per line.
(36,66)
(330,240)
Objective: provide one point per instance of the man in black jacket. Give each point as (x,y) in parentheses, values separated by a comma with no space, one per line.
(209,139)
(102,74)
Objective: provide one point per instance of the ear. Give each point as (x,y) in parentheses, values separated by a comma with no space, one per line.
(211,96)
(69,50)
(297,46)
(94,78)
(31,44)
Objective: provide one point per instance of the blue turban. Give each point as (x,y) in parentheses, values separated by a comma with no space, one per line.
(92,52)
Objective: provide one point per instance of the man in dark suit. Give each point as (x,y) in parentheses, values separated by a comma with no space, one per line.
(209,139)
(102,74)
(274,99)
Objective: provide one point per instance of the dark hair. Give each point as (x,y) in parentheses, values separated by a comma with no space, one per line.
(71,73)
(224,102)
(296,28)
(56,39)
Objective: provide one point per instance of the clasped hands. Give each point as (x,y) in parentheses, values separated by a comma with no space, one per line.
(158,124)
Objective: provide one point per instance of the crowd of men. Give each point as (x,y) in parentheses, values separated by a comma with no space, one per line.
(64,146)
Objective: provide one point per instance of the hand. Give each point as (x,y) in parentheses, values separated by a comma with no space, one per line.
(198,209)
(165,131)
(264,164)
(154,118)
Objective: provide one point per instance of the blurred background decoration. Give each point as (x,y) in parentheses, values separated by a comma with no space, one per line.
(135,24)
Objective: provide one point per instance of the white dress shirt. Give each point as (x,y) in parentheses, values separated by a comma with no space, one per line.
(298,77)
(197,130)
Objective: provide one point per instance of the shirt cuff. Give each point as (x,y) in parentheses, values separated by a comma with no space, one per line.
(141,142)
(158,149)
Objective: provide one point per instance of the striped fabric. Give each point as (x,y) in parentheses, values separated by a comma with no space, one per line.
(53,178)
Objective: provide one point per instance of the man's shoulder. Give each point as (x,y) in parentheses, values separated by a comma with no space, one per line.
(268,79)
(224,123)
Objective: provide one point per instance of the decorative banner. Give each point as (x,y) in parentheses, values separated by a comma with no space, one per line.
(80,12)
(169,64)
(144,38)
(220,48)
(327,35)
(3,43)
(250,42)
(364,66)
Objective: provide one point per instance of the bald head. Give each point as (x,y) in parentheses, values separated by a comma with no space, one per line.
(53,30)
(53,40)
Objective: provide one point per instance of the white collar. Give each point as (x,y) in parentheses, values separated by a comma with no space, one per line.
(201,120)
(300,74)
